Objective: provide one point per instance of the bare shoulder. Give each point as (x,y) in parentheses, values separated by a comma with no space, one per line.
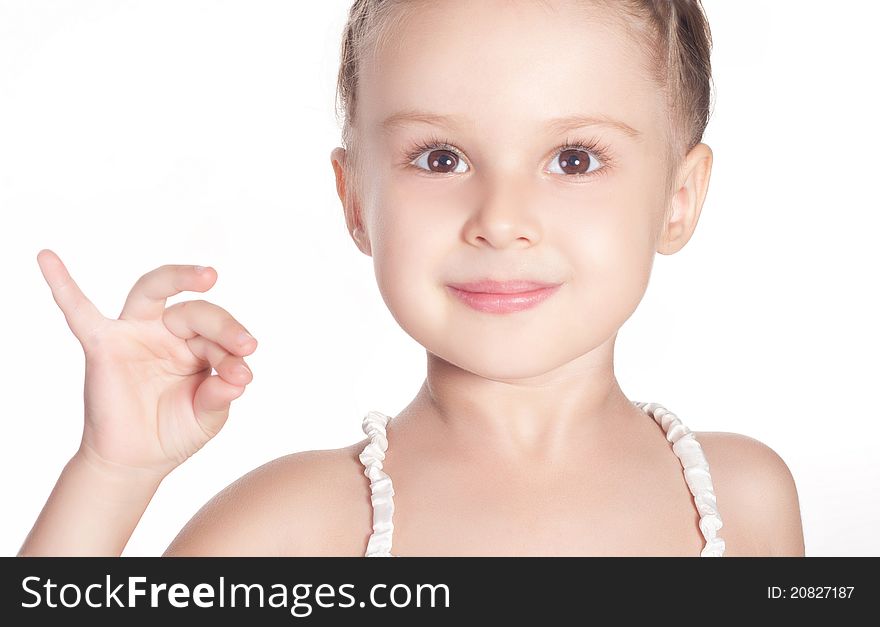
(306,503)
(757,496)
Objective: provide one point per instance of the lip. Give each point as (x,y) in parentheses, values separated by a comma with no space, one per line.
(527,294)
(488,286)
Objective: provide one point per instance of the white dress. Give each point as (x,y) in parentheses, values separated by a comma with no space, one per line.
(684,445)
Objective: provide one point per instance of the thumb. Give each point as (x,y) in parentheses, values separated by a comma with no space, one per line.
(82,316)
(211,403)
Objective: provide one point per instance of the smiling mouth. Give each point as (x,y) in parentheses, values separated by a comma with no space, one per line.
(489,286)
(504,302)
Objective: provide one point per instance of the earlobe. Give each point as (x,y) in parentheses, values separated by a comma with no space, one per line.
(686,203)
(362,241)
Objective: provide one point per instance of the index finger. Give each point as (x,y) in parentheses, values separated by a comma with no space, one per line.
(146,300)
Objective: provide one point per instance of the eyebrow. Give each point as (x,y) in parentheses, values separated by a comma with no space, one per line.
(557,125)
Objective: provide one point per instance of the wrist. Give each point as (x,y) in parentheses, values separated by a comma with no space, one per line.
(87,462)
(93,508)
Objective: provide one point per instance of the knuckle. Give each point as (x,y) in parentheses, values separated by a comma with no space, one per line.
(172,310)
(193,306)
(101,339)
(196,342)
(218,309)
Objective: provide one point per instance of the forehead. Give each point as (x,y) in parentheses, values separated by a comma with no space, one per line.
(500,65)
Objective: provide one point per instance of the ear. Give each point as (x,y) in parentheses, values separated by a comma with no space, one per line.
(687,200)
(350,206)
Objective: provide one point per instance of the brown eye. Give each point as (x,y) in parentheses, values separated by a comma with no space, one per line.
(439,161)
(575,161)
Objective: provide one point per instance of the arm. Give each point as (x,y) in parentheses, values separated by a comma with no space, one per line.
(779,517)
(247,518)
(287,507)
(757,496)
(150,402)
(92,511)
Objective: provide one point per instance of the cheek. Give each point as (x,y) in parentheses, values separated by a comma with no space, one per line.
(409,252)
(610,251)
(612,247)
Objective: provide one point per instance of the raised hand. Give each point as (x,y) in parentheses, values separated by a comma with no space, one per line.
(150,398)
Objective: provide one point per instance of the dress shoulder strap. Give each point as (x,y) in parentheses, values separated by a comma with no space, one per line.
(381,489)
(696,474)
(684,445)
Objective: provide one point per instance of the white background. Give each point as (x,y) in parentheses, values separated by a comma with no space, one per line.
(134,134)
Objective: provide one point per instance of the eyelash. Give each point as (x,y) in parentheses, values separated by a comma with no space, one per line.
(594,147)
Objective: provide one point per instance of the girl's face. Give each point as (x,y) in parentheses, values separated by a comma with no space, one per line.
(503,198)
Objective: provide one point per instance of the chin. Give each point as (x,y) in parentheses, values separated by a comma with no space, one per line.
(500,363)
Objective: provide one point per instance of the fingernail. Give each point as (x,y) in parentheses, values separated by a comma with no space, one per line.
(244,337)
(244,369)
(199,269)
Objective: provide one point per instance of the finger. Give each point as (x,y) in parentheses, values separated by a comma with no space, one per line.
(199,317)
(82,316)
(146,300)
(231,368)
(211,403)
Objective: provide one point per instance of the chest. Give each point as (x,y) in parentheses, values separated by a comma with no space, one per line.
(493,517)
(593,507)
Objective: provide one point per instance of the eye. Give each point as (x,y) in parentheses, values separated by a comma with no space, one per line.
(578,159)
(437,154)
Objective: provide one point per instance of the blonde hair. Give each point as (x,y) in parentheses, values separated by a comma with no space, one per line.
(673,35)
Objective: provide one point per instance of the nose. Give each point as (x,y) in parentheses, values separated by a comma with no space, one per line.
(504,216)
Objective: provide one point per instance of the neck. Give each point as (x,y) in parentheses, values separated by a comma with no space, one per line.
(533,418)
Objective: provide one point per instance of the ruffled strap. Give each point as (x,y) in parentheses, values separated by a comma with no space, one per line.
(696,473)
(382,491)
(684,445)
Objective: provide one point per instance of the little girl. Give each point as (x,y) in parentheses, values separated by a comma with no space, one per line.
(511,167)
